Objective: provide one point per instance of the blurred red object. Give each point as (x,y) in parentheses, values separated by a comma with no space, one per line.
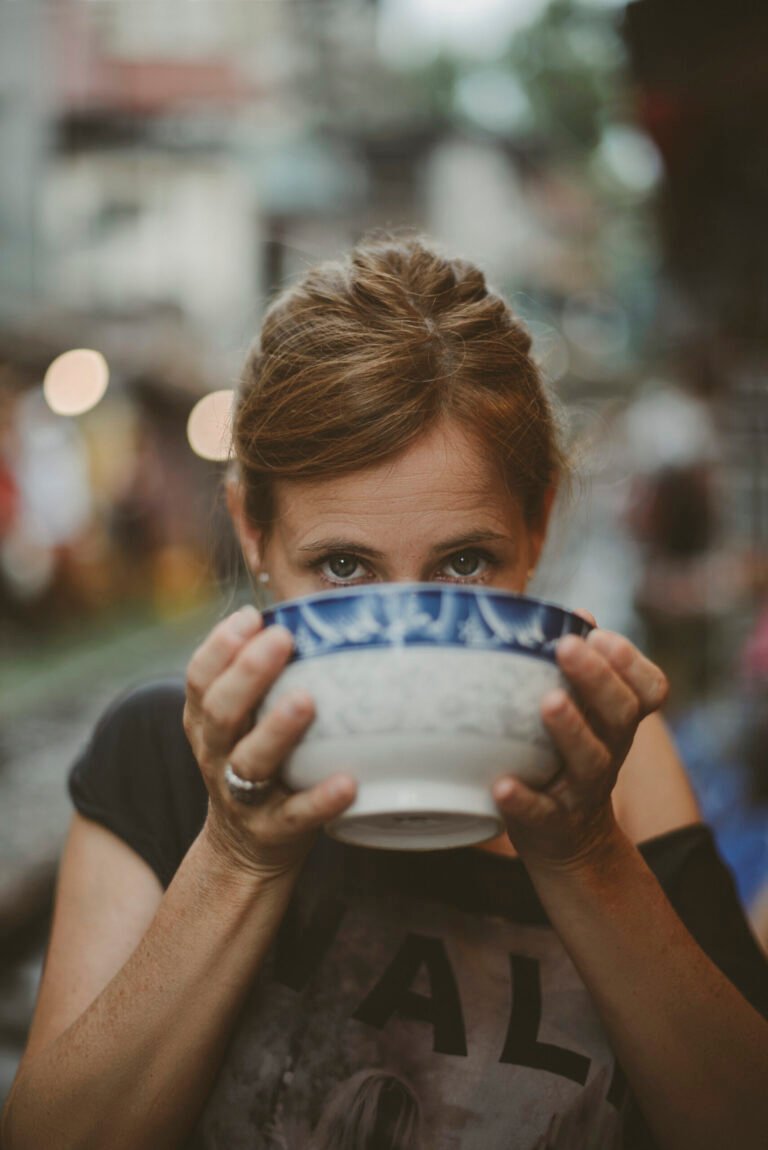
(754,655)
(9,499)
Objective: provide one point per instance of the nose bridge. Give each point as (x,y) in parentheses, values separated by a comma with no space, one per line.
(409,559)
(410,577)
(405,547)
(400,570)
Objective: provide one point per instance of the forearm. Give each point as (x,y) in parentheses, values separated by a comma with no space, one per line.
(693,1050)
(140,1061)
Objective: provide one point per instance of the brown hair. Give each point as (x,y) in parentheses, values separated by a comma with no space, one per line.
(372,1110)
(366,354)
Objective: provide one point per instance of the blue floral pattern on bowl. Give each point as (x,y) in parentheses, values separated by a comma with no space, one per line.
(424,692)
(423,614)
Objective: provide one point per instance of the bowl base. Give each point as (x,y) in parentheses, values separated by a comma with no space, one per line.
(421,817)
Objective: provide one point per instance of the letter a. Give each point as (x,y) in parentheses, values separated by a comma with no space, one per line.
(392,994)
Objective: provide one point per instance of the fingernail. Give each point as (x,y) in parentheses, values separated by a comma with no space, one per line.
(587,616)
(294,708)
(569,646)
(245,619)
(277,636)
(556,702)
(503,790)
(338,787)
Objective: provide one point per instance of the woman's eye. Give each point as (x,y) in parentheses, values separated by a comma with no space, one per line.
(466,564)
(341,567)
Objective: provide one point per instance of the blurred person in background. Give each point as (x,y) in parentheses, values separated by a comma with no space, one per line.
(136,525)
(217,962)
(683,585)
(754,678)
(691,584)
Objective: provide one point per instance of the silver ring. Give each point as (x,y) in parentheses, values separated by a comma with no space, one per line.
(249,791)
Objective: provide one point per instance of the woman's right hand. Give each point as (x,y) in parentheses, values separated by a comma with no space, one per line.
(227,677)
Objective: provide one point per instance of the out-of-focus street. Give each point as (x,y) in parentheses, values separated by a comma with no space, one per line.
(47,711)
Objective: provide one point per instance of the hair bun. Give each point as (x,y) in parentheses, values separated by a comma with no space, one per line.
(363,355)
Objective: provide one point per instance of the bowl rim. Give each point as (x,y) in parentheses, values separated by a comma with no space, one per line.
(402,587)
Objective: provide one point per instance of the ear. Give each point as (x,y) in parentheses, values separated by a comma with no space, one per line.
(250,537)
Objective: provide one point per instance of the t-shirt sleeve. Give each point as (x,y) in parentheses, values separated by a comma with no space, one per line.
(703,892)
(137,776)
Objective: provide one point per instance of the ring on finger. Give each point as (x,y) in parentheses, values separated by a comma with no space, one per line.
(248,791)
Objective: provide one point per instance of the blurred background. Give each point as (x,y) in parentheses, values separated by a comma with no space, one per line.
(168,165)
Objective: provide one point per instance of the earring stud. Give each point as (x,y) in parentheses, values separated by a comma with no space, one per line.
(263,577)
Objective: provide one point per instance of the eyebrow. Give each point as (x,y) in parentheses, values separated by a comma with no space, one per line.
(336,543)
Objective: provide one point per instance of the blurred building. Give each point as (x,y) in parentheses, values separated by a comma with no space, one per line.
(25,118)
(176,163)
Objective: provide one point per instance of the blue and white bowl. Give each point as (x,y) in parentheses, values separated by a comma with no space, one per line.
(426,693)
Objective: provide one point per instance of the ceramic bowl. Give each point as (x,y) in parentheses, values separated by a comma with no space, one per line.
(426,693)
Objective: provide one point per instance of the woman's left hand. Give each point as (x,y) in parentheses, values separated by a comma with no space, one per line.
(614,688)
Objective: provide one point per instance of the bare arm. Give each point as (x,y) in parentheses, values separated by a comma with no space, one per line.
(694,1051)
(653,794)
(141,989)
(139,1058)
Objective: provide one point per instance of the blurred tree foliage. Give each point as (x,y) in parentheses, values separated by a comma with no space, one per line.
(571,63)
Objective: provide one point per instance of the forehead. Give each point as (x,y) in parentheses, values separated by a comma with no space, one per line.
(445,472)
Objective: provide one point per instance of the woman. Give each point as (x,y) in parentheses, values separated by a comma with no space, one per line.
(218,968)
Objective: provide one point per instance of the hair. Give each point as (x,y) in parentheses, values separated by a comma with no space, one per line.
(366,354)
(371,1110)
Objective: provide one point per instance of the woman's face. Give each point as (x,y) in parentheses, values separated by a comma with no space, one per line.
(438,512)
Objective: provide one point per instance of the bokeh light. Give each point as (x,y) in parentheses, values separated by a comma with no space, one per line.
(631,158)
(76,381)
(209,427)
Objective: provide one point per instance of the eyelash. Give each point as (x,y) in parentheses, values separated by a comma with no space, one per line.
(316,565)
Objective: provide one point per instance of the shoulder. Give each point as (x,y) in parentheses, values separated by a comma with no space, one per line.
(702,890)
(142,725)
(154,703)
(653,794)
(137,775)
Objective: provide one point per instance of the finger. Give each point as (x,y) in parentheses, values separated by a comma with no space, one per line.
(318,805)
(648,681)
(219,649)
(520,803)
(613,706)
(262,751)
(584,614)
(229,702)
(586,757)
